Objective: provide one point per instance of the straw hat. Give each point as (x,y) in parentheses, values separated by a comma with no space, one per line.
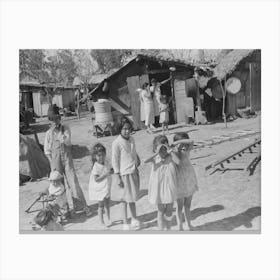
(55,175)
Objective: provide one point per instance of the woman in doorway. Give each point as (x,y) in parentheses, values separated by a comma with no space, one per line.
(148,103)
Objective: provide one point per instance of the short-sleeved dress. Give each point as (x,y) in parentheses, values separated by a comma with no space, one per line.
(164,115)
(99,190)
(163,181)
(187,181)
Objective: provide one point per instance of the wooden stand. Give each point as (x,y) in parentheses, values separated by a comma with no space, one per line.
(99,130)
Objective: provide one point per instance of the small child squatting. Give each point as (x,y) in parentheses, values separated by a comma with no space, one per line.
(46,220)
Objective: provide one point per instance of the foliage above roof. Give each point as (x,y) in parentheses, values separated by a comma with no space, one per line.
(230,61)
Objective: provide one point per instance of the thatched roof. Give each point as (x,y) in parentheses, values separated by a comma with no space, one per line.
(162,55)
(230,61)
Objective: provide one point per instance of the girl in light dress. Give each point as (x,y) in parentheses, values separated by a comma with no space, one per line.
(187,181)
(163,180)
(100,182)
(125,162)
(164,113)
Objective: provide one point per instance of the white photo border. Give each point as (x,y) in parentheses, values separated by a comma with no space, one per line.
(135,24)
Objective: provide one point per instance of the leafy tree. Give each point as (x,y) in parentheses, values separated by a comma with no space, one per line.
(32,63)
(86,66)
(61,67)
(108,59)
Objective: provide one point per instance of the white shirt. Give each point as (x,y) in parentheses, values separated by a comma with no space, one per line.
(57,189)
(64,138)
(124,157)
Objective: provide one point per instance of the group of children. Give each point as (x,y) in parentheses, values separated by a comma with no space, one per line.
(172,179)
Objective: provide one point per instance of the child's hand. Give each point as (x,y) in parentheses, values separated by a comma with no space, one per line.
(121,184)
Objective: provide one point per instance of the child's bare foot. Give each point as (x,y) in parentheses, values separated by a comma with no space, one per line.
(126,227)
(102,226)
(187,227)
(180,227)
(135,224)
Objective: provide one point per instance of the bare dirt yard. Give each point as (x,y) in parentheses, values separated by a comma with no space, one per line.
(226,201)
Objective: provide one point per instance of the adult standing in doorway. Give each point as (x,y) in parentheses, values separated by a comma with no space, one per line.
(148,104)
(156,94)
(57,147)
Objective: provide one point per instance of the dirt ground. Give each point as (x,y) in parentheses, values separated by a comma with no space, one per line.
(229,201)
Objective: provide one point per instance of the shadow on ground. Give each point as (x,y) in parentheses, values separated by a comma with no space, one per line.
(205,210)
(149,219)
(230,223)
(38,128)
(79,151)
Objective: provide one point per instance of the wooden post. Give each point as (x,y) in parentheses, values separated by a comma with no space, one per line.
(224,95)
(250,85)
(173,97)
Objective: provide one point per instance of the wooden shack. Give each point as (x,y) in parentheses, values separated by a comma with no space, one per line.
(121,86)
(34,96)
(244,64)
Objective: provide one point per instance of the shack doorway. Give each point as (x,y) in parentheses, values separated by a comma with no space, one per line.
(165,89)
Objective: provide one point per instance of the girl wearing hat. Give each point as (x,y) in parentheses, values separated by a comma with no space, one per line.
(57,148)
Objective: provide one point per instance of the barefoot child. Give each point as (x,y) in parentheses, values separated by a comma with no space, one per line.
(187,181)
(163,180)
(125,162)
(164,113)
(100,182)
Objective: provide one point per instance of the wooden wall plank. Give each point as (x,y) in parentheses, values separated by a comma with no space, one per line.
(133,84)
(255,87)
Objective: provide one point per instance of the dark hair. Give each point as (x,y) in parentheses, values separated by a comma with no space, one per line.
(144,85)
(95,150)
(158,140)
(44,217)
(53,112)
(180,136)
(124,120)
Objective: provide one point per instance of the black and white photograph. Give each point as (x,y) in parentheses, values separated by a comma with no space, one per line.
(140,140)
